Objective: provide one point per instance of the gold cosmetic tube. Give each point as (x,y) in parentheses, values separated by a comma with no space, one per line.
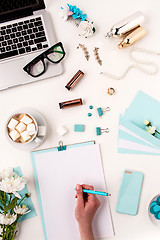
(133,37)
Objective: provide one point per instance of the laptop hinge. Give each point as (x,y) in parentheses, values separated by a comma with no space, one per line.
(16,15)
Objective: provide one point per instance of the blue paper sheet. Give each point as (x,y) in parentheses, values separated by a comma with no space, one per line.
(143,108)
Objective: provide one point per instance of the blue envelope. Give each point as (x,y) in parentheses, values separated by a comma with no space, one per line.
(142,108)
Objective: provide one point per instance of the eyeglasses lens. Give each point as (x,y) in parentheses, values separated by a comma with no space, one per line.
(36,68)
(56,54)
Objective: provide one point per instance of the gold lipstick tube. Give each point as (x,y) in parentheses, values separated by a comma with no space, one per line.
(133,37)
(71,103)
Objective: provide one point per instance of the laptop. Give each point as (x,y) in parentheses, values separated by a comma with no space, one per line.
(25,32)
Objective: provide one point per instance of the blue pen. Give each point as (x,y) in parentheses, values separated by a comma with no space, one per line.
(96,192)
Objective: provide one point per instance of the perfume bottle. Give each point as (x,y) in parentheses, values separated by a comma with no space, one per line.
(126,25)
(132,37)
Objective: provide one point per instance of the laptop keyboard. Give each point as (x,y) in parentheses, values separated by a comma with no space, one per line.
(22,37)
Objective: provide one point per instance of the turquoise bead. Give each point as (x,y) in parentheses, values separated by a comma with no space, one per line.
(152,210)
(158,200)
(89,114)
(156,208)
(153,204)
(157,215)
(90,107)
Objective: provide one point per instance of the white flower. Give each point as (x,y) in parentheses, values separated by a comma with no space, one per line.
(65,13)
(8,219)
(21,210)
(86,29)
(13,185)
(7,173)
(147,123)
(151,129)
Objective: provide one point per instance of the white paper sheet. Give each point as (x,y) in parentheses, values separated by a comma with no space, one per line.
(58,173)
(126,144)
(121,127)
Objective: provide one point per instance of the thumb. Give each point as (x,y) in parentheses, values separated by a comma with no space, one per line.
(80,199)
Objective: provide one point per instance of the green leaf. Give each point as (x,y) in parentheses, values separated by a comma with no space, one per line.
(1,208)
(2,201)
(11,205)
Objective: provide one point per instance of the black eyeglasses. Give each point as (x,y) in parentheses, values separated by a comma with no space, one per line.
(37,66)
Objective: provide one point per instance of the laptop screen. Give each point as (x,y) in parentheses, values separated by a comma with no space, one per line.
(8,7)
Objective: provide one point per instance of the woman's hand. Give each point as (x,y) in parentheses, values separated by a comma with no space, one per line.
(87,205)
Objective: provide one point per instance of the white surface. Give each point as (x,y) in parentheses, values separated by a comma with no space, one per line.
(61,167)
(45,95)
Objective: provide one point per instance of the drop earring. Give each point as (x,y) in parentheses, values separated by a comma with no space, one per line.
(86,53)
(96,54)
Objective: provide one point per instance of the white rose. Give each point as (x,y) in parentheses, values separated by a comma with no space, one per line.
(21,210)
(151,130)
(7,219)
(85,29)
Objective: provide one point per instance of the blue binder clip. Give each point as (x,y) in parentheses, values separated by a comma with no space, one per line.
(102,110)
(61,147)
(99,131)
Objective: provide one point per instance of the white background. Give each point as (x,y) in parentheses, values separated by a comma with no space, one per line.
(44,96)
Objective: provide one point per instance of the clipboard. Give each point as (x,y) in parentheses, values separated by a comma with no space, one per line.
(62,168)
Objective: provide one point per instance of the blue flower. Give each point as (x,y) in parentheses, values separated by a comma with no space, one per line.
(72,8)
(74,16)
(77,13)
(83,17)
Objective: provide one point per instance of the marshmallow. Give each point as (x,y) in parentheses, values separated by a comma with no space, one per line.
(25,136)
(14,135)
(61,131)
(26,119)
(31,128)
(21,127)
(12,123)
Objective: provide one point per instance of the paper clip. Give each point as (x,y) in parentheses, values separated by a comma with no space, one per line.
(99,131)
(61,147)
(102,110)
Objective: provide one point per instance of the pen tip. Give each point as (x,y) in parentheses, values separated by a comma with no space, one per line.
(109,194)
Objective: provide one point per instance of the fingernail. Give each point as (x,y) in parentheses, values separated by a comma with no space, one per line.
(78,187)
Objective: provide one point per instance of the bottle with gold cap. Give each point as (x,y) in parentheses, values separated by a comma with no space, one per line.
(126,25)
(132,37)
